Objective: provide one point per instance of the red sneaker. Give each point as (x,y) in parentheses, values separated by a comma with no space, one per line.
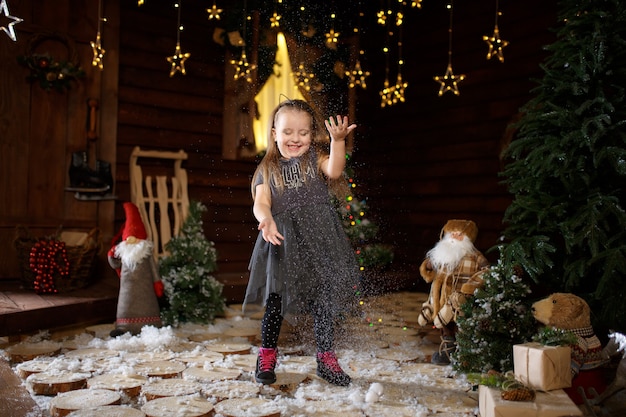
(265,364)
(328,368)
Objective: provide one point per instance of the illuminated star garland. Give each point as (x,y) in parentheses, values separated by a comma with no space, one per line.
(332,37)
(449,81)
(9,30)
(496,44)
(96,46)
(214,12)
(178,59)
(275,19)
(243,69)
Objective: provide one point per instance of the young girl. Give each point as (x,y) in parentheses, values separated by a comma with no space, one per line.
(302,260)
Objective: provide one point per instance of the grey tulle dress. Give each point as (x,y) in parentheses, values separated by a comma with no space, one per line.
(315,265)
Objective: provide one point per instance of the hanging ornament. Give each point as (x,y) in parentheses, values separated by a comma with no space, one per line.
(4,8)
(214,12)
(332,37)
(275,19)
(382,17)
(96,46)
(178,59)
(140,2)
(496,44)
(356,76)
(449,81)
(302,77)
(401,85)
(243,69)
(417,3)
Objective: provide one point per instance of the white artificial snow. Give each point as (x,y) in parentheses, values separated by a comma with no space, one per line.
(402,387)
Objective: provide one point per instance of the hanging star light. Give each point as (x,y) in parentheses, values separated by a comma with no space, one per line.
(243,69)
(417,3)
(96,46)
(9,30)
(386,94)
(139,2)
(178,59)
(332,38)
(382,17)
(496,44)
(302,77)
(275,20)
(357,76)
(449,81)
(214,12)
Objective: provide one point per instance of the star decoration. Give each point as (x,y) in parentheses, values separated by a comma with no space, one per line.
(243,67)
(382,17)
(4,8)
(357,76)
(398,92)
(449,81)
(275,20)
(178,61)
(98,52)
(386,94)
(214,12)
(417,3)
(399,18)
(495,44)
(302,77)
(331,39)
(139,2)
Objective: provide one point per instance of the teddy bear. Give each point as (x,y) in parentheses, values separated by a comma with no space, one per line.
(569,312)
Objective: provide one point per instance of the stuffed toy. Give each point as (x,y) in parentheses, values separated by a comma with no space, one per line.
(453,267)
(140,282)
(569,312)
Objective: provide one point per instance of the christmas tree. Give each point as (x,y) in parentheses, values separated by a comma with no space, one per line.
(492,321)
(192,293)
(371,255)
(567,166)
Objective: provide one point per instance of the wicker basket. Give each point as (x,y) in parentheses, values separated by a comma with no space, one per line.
(81,249)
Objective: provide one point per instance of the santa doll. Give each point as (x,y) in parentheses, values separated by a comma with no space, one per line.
(453,267)
(140,283)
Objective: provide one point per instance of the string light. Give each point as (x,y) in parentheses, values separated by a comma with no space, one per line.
(332,37)
(356,76)
(496,44)
(449,81)
(178,59)
(96,46)
(275,19)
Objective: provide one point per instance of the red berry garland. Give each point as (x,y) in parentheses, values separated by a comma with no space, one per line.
(47,257)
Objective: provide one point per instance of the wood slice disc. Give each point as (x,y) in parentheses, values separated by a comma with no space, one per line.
(27,351)
(381,409)
(91,353)
(148,356)
(52,383)
(247,407)
(400,355)
(128,384)
(66,402)
(34,366)
(288,381)
(246,363)
(205,336)
(160,369)
(248,333)
(201,358)
(100,330)
(108,411)
(246,324)
(191,406)
(209,375)
(173,387)
(327,408)
(224,390)
(230,348)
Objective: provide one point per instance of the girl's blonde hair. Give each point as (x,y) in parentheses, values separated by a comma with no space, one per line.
(269,167)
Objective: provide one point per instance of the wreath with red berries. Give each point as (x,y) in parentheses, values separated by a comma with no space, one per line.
(50,73)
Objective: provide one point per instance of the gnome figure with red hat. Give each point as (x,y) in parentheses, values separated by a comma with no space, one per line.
(453,267)
(140,283)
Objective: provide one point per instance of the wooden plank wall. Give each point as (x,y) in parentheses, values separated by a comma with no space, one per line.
(39,130)
(434,158)
(160,112)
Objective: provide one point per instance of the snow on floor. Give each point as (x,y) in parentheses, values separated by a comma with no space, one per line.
(381,348)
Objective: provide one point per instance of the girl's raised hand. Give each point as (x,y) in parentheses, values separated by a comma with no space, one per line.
(339,127)
(267,226)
